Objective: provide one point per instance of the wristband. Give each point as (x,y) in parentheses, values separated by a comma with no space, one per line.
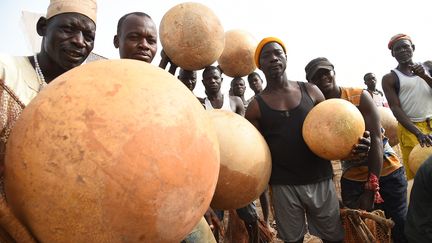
(372,184)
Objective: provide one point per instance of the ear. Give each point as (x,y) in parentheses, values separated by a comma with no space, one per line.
(41,26)
(392,52)
(413,47)
(116,41)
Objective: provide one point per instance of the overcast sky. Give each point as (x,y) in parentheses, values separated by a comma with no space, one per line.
(351,34)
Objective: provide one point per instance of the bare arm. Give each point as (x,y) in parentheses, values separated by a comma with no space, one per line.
(164,62)
(371,116)
(253,113)
(388,85)
(238,104)
(315,93)
(420,71)
(375,156)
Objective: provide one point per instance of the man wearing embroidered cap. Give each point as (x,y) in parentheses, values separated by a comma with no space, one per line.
(68,33)
(300,181)
(408,89)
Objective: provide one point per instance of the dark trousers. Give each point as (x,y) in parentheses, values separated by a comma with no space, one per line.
(393,189)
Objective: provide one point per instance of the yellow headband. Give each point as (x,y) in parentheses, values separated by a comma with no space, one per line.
(84,7)
(264,42)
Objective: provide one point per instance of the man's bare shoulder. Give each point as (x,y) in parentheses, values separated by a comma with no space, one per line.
(236,99)
(314,92)
(389,77)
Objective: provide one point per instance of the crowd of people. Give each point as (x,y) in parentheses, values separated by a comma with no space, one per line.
(303,196)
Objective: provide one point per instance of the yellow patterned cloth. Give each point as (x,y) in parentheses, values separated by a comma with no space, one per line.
(407,143)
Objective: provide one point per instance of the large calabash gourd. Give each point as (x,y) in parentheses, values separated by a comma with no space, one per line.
(332,128)
(112,151)
(191,35)
(389,123)
(417,156)
(237,59)
(245,161)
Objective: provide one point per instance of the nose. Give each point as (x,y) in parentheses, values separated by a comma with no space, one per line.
(78,39)
(143,44)
(273,58)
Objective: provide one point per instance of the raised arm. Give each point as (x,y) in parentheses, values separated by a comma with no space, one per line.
(164,62)
(419,70)
(389,87)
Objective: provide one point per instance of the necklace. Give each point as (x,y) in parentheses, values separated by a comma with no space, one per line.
(41,78)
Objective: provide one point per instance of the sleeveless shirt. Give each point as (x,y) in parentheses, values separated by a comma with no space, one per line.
(225,106)
(415,97)
(293,163)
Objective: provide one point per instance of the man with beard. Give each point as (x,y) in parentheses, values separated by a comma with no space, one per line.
(408,89)
(68,33)
(301,182)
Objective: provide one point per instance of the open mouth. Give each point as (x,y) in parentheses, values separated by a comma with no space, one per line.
(74,55)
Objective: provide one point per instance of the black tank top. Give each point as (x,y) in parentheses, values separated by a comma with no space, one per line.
(293,163)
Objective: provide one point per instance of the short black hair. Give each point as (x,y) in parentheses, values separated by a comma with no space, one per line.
(235,79)
(122,19)
(367,74)
(251,75)
(211,68)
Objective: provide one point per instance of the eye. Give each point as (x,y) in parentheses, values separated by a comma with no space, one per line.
(89,37)
(67,29)
(152,41)
(132,36)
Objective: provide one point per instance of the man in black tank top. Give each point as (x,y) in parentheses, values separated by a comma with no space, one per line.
(300,181)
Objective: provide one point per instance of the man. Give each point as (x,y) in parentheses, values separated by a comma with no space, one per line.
(136,37)
(255,82)
(301,182)
(418,227)
(188,78)
(212,81)
(238,87)
(377,96)
(68,33)
(408,89)
(361,183)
